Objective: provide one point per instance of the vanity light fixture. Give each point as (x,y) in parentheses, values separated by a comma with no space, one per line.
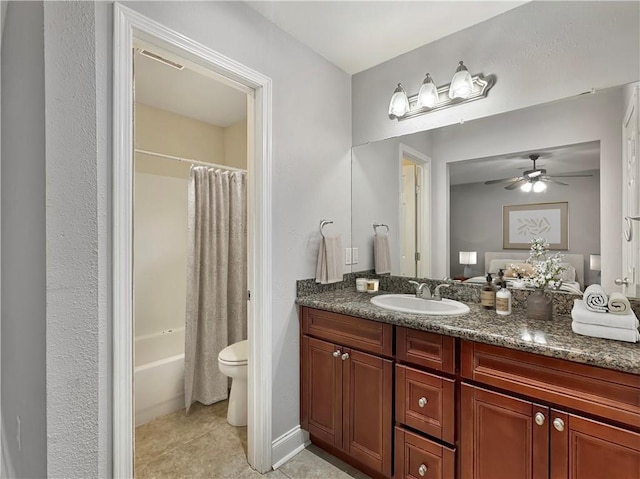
(462,89)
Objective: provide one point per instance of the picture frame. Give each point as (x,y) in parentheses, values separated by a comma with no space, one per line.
(521,223)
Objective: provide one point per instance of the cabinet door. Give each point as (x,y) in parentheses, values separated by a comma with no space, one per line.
(585,449)
(502,437)
(321,399)
(367,411)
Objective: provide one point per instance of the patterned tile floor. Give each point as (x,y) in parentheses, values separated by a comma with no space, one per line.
(203,445)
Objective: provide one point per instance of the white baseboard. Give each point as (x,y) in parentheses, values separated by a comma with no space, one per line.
(288,445)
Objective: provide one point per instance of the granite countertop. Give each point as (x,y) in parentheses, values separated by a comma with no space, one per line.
(552,338)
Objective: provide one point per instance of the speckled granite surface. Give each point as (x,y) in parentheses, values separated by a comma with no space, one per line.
(552,338)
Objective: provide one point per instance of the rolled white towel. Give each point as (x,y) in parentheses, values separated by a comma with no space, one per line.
(595,298)
(628,335)
(618,304)
(581,314)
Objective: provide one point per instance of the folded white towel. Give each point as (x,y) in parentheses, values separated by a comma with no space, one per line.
(618,304)
(595,298)
(629,335)
(382,254)
(581,314)
(329,268)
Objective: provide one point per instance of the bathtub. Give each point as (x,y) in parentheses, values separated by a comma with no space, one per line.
(158,374)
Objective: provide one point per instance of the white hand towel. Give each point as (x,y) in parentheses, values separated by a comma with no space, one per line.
(581,314)
(382,254)
(618,304)
(628,335)
(329,267)
(595,298)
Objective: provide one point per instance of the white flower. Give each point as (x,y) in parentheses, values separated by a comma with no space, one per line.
(547,271)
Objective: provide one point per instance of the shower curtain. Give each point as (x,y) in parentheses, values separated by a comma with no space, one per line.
(216,310)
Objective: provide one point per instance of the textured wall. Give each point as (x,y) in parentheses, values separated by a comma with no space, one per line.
(540,51)
(23,243)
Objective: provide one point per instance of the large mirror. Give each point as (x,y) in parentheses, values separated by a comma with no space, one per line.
(430,189)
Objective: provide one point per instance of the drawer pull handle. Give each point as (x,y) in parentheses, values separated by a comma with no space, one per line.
(345,356)
(558,424)
(539,418)
(422,402)
(422,470)
(336,353)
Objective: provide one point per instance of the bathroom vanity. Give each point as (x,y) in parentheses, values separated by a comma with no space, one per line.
(474,396)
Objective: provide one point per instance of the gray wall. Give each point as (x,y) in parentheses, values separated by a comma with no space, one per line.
(540,52)
(476,217)
(23,242)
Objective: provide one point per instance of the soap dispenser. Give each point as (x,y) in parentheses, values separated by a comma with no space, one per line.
(501,282)
(488,294)
(503,302)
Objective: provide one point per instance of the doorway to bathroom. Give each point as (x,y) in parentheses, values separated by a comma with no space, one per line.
(154,164)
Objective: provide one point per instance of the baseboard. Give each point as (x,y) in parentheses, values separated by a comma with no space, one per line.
(288,445)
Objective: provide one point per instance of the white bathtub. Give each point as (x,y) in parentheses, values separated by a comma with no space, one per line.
(158,374)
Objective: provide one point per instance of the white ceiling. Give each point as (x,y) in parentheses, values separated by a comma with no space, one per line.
(187,93)
(357,35)
(560,160)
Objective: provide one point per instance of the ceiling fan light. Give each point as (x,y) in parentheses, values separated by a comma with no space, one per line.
(461,84)
(428,94)
(539,186)
(526,187)
(399,105)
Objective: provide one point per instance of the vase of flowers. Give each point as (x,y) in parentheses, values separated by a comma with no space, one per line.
(543,274)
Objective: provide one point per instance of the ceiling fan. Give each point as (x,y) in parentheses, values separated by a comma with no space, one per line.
(534,179)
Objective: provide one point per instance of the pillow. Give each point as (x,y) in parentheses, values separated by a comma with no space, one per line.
(525,268)
(497,264)
(569,273)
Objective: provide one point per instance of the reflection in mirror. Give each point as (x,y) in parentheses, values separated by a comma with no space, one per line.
(579,135)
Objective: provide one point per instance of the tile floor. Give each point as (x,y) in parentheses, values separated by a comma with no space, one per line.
(203,445)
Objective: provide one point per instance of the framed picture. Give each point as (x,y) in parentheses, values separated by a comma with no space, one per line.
(521,223)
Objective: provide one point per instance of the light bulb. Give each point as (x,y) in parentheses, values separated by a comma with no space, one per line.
(461,84)
(526,187)
(428,94)
(399,105)
(539,186)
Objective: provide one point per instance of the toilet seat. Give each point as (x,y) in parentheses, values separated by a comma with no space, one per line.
(234,354)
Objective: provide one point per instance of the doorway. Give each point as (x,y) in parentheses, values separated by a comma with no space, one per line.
(132,28)
(415,213)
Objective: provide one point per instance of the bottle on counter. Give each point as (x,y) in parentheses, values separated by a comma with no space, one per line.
(488,294)
(503,302)
(501,282)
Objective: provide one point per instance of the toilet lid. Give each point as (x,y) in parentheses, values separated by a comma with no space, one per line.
(234,353)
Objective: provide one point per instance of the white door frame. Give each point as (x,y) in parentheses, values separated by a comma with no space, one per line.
(424,207)
(128,25)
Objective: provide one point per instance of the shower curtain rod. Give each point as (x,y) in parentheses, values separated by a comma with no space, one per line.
(188,160)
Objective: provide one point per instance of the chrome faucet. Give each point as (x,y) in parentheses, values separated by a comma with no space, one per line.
(436,294)
(422,290)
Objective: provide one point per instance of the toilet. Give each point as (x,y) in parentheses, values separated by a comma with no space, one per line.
(232,362)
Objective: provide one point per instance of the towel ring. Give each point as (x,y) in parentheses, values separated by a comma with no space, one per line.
(323,223)
(376,225)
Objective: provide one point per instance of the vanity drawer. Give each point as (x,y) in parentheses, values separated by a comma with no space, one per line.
(610,394)
(348,331)
(419,458)
(425,402)
(426,349)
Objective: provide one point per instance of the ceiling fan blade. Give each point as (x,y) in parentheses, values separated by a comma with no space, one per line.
(516,184)
(548,179)
(502,180)
(569,176)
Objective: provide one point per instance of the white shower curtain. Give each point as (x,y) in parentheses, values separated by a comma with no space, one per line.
(216,313)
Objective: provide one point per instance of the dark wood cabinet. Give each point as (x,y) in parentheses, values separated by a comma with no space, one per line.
(347,401)
(506,437)
(420,458)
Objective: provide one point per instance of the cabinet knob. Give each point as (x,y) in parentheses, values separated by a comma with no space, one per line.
(422,470)
(620,282)
(422,402)
(558,424)
(345,356)
(539,418)
(336,353)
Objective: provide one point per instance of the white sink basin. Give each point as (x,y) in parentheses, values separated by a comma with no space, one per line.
(408,303)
